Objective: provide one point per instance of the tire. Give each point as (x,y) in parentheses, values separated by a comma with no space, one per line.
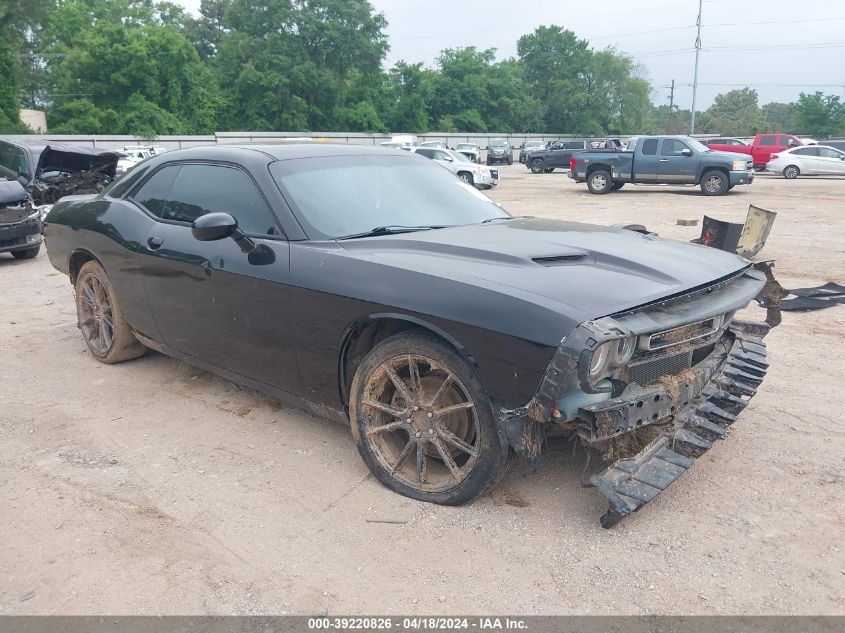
(109,341)
(714,183)
(489,162)
(27,253)
(548,170)
(510,160)
(466,177)
(599,182)
(617,186)
(537,166)
(791,172)
(447,459)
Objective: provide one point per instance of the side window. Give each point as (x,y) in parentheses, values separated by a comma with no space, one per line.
(807,151)
(428,153)
(787,141)
(14,159)
(201,189)
(153,194)
(826,152)
(650,147)
(768,140)
(441,155)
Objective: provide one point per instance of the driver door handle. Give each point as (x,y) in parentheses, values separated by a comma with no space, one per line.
(155,242)
(663,160)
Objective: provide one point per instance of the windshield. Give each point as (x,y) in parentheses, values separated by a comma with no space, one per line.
(498,144)
(696,145)
(337,196)
(460,157)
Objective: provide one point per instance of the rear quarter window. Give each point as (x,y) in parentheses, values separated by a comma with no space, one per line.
(768,140)
(650,147)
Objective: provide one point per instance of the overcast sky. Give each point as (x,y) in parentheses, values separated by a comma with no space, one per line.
(779,47)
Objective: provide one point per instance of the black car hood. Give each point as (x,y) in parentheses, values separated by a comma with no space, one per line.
(594,270)
(72,159)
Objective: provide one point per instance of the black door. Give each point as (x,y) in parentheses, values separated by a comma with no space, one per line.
(207,299)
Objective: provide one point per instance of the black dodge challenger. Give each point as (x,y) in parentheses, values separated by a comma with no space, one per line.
(374,287)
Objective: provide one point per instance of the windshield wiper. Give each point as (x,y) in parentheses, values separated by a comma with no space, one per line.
(507,217)
(390,230)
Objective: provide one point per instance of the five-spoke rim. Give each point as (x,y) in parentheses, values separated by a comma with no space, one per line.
(415,406)
(96,319)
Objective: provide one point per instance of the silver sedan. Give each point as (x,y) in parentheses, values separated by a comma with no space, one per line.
(808,160)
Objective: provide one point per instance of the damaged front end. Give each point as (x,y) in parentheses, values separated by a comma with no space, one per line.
(20,221)
(667,378)
(65,170)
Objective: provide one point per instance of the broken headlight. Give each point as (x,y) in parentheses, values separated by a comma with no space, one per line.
(611,356)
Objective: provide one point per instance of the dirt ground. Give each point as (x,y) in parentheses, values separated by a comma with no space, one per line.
(154,488)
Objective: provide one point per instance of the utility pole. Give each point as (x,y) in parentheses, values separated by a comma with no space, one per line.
(695,77)
(671,105)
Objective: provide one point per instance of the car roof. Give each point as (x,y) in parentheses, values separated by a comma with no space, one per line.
(285,151)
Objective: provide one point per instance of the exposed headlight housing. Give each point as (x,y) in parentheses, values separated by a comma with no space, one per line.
(739,165)
(623,350)
(600,359)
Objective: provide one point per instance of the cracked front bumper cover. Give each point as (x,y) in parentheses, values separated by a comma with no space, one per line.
(703,408)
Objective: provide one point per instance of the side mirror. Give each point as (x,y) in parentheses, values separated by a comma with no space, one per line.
(214,226)
(448,159)
(686,152)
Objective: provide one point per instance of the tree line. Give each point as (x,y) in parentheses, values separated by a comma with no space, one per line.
(148,68)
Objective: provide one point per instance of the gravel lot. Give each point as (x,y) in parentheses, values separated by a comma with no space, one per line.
(154,488)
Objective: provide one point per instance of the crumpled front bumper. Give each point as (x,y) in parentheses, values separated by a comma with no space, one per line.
(700,407)
(682,409)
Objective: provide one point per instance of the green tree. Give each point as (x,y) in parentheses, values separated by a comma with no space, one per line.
(819,114)
(409,92)
(292,64)
(780,117)
(734,113)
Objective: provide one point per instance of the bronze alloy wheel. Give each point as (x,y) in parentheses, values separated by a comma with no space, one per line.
(423,422)
(107,334)
(96,319)
(422,426)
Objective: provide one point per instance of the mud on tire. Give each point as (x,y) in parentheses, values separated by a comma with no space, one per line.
(100,318)
(423,423)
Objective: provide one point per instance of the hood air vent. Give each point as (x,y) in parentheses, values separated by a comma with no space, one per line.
(558,260)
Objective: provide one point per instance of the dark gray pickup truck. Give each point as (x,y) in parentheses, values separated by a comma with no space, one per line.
(662,160)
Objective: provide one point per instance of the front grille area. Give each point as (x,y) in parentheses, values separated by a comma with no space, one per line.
(647,372)
(682,334)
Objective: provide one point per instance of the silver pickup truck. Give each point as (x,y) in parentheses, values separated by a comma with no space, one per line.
(662,160)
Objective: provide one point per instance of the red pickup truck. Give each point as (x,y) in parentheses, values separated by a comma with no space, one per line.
(760,150)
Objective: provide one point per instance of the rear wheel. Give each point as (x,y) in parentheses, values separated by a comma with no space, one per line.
(599,182)
(537,166)
(27,253)
(100,318)
(423,423)
(548,170)
(791,171)
(714,183)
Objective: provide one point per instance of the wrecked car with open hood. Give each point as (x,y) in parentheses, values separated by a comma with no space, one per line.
(50,172)
(374,287)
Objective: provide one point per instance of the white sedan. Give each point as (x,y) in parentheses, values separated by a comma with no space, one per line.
(808,160)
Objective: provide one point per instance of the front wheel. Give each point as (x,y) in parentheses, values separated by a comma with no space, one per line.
(423,423)
(100,318)
(714,183)
(537,166)
(466,177)
(791,172)
(27,253)
(599,182)
(510,160)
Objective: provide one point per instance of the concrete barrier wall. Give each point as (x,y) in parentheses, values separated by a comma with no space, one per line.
(177,142)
